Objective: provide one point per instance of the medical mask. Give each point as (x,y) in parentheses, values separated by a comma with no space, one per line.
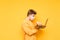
(32,18)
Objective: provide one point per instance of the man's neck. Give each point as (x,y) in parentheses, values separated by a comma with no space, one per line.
(28,18)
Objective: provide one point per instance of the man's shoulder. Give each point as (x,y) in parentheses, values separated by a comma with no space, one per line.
(24,21)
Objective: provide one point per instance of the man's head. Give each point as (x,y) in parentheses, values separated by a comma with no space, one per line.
(31,14)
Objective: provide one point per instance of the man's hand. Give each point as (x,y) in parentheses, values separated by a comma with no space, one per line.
(42,26)
(39,25)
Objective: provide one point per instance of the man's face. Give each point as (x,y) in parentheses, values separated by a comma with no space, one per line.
(32,17)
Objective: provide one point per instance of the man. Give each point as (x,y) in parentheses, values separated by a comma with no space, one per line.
(29,28)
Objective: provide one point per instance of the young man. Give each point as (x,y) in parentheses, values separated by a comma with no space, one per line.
(29,28)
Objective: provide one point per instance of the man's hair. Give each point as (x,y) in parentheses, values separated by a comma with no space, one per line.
(31,11)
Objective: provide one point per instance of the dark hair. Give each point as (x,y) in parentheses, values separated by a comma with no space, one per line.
(31,11)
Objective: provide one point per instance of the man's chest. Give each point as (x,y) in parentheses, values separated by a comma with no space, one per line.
(30,24)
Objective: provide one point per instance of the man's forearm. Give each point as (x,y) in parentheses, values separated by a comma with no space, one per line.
(40,26)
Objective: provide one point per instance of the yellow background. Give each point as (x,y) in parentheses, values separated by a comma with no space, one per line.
(13,12)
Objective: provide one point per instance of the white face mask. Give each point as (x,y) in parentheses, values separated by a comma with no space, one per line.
(32,18)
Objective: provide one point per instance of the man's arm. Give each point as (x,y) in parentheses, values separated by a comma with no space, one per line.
(42,26)
(39,25)
(28,30)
